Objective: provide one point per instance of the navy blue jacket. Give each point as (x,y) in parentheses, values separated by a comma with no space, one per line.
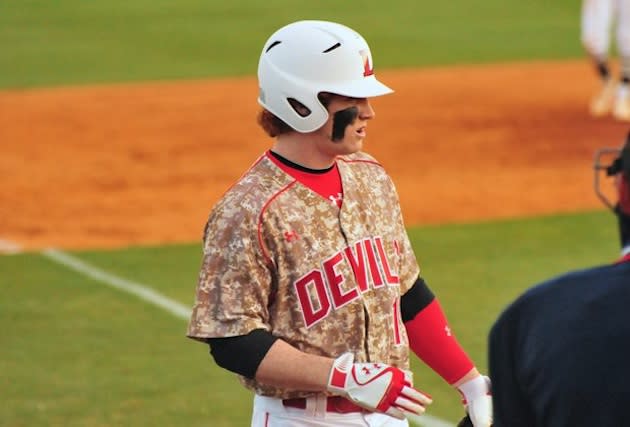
(559,356)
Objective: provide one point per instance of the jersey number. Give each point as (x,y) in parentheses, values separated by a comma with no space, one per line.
(396,316)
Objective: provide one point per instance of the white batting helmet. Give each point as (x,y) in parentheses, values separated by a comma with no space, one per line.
(305,58)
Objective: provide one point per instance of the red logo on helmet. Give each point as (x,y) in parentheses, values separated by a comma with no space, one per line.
(368,68)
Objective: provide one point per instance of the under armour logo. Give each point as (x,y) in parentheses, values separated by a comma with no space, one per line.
(290,236)
(336,200)
(447,330)
(366,369)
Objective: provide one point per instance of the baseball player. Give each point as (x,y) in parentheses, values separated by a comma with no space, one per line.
(599,18)
(309,288)
(559,355)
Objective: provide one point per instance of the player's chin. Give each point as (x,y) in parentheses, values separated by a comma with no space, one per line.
(356,139)
(352,145)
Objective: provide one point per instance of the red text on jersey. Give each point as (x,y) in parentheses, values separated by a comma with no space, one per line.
(321,290)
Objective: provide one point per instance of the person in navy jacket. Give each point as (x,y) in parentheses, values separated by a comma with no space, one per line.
(559,355)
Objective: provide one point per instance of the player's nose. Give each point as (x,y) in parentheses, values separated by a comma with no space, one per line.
(366,112)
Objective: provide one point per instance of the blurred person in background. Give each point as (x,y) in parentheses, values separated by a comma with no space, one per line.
(600,19)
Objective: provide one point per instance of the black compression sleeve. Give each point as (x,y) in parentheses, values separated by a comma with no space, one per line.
(242,354)
(415,300)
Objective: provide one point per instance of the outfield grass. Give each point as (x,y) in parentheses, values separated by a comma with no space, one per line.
(81,42)
(78,353)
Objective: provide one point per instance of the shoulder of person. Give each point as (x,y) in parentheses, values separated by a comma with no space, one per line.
(570,281)
(253,189)
(558,287)
(359,157)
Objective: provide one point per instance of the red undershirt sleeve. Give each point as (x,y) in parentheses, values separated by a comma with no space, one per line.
(431,339)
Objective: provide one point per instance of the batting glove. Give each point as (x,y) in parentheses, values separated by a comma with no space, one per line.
(377,387)
(477,399)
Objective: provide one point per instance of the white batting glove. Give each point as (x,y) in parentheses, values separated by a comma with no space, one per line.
(477,395)
(376,386)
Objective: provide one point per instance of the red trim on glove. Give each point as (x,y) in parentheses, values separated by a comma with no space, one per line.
(337,378)
(432,341)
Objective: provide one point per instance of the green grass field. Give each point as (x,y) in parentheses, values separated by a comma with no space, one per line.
(78,41)
(78,353)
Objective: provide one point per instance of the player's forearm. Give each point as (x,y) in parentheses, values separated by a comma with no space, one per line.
(433,342)
(285,366)
(473,373)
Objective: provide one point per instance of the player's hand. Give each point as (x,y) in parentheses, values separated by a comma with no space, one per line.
(477,400)
(376,387)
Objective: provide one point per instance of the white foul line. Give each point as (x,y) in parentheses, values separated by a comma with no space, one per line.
(147,294)
(143,292)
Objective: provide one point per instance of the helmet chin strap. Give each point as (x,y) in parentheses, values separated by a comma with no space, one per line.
(341,120)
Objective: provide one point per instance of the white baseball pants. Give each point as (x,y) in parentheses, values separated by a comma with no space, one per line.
(270,412)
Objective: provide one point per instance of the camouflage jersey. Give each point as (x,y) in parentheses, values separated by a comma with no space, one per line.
(278,256)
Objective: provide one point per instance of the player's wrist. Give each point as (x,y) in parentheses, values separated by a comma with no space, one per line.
(473,388)
(477,399)
(338,373)
(471,374)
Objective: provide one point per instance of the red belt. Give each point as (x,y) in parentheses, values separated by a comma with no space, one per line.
(337,404)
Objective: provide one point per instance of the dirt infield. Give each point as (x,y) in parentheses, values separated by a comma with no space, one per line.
(142,164)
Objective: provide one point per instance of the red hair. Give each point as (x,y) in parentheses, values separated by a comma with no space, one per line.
(274,126)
